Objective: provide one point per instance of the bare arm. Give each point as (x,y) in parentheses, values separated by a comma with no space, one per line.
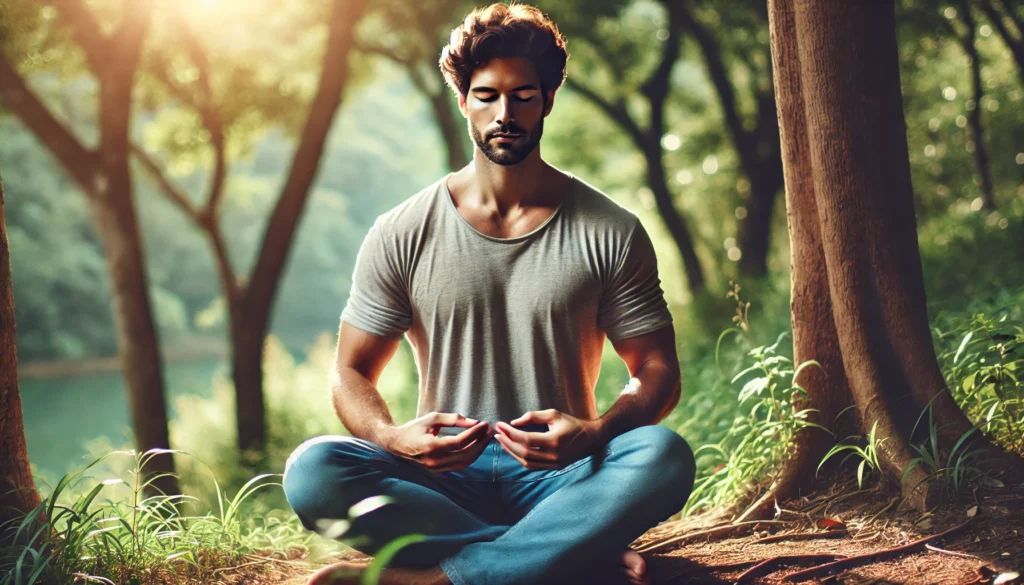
(654,386)
(360,359)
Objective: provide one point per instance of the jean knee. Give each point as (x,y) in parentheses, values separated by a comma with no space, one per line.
(315,475)
(668,454)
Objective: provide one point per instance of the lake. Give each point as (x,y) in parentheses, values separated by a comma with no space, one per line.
(63,414)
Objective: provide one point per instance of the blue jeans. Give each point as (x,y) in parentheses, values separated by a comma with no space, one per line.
(496,522)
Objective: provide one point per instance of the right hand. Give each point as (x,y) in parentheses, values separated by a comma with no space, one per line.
(417,441)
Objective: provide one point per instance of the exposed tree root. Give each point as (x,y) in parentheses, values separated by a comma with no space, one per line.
(775,563)
(841,565)
(802,536)
(719,532)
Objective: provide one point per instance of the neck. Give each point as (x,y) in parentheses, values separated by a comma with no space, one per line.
(510,185)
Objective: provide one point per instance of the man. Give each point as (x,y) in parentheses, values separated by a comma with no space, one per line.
(506,276)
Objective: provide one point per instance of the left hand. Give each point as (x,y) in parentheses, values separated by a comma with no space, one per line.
(567,439)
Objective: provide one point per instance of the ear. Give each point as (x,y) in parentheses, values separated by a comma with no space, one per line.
(462,105)
(549,101)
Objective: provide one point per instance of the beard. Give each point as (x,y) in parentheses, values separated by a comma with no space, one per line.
(509,153)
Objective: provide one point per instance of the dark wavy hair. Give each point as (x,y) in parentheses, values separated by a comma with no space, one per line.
(501,30)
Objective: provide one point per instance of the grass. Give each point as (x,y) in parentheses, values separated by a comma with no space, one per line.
(83,537)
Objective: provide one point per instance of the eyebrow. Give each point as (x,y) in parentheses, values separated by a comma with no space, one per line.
(515,89)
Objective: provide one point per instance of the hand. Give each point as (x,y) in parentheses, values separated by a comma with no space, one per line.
(567,439)
(417,441)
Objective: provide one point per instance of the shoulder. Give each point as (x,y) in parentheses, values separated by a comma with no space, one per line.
(599,213)
(409,217)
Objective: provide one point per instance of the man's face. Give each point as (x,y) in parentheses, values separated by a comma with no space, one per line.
(505,109)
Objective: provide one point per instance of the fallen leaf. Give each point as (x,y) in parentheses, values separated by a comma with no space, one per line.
(831,524)
(972,511)
(1006,578)
(1006,554)
(924,524)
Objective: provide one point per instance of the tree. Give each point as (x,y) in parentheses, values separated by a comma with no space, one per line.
(756,138)
(103,174)
(411,36)
(653,92)
(250,300)
(1007,19)
(17,490)
(967,39)
(858,301)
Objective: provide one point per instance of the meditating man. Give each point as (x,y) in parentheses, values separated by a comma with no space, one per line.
(506,277)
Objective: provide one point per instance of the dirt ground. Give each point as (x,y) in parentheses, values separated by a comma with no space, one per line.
(987,550)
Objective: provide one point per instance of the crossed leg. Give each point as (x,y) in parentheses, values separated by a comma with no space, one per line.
(575,523)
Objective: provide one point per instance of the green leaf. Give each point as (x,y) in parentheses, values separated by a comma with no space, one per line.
(963,344)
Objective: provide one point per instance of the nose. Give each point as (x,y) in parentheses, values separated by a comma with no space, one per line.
(505,113)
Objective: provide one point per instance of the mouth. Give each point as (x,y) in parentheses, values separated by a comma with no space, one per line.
(506,137)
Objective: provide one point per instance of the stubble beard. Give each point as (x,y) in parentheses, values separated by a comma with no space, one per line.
(507,154)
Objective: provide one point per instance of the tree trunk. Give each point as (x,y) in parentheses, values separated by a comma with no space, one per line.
(847,171)
(452,132)
(18,493)
(247,335)
(118,227)
(258,297)
(755,229)
(673,219)
(976,134)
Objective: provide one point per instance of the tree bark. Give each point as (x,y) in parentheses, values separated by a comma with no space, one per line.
(18,493)
(853,231)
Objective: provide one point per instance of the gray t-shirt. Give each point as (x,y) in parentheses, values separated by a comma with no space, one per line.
(499,326)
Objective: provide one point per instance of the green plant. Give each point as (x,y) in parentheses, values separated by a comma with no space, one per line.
(986,376)
(868,453)
(757,442)
(952,472)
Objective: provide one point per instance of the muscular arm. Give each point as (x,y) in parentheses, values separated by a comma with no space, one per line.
(654,386)
(359,361)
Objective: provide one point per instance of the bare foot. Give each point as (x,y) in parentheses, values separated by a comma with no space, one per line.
(636,568)
(349,573)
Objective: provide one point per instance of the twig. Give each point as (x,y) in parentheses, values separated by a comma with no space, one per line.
(802,536)
(775,563)
(949,552)
(835,567)
(720,531)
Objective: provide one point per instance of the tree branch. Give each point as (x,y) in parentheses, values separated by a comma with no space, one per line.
(616,111)
(86,32)
(282,225)
(199,217)
(81,163)
(1015,45)
(723,87)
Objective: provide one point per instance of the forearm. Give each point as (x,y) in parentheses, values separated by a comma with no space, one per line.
(651,394)
(359,405)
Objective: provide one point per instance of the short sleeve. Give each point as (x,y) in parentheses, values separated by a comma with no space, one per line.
(378,302)
(633,303)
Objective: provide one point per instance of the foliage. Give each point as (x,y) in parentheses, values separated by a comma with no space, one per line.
(954,471)
(867,454)
(71,537)
(986,374)
(755,445)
